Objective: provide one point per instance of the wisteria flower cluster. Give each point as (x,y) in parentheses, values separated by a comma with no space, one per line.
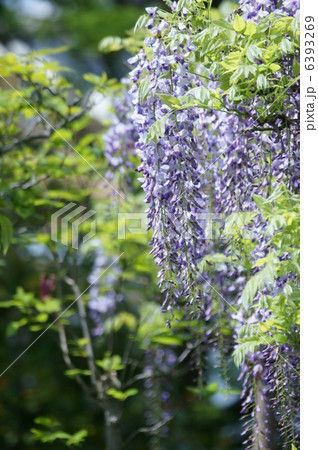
(121,135)
(103,298)
(172,166)
(216,127)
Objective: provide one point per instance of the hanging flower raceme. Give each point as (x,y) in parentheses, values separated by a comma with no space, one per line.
(172,163)
(103,298)
(121,135)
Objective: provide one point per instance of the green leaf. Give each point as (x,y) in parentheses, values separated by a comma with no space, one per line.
(111,364)
(167,340)
(157,129)
(144,88)
(74,372)
(46,421)
(6,233)
(276,222)
(77,438)
(276,194)
(201,93)
(296,68)
(41,317)
(286,46)
(170,100)
(124,318)
(216,259)
(120,395)
(242,350)
(95,79)
(274,67)
(260,262)
(222,23)
(250,29)
(239,24)
(141,22)
(50,305)
(261,81)
(13,327)
(257,283)
(110,44)
(261,204)
(296,24)
(253,52)
(51,51)
(249,68)
(62,135)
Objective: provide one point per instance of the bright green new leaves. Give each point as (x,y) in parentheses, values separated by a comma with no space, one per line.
(111,363)
(280,211)
(257,283)
(71,373)
(239,23)
(50,433)
(131,43)
(35,313)
(170,100)
(38,135)
(246,56)
(95,79)
(120,395)
(250,28)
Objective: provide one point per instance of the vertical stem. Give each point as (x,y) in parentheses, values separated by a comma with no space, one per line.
(264,416)
(111,406)
(86,334)
(112,421)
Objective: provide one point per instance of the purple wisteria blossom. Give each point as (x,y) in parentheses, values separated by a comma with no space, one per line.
(198,160)
(173,166)
(121,135)
(103,297)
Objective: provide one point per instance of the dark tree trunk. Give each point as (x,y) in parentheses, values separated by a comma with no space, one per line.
(266,423)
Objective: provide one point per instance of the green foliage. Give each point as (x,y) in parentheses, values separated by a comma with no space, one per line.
(157,129)
(245,55)
(132,43)
(35,313)
(281,213)
(50,433)
(6,233)
(110,363)
(41,130)
(122,396)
